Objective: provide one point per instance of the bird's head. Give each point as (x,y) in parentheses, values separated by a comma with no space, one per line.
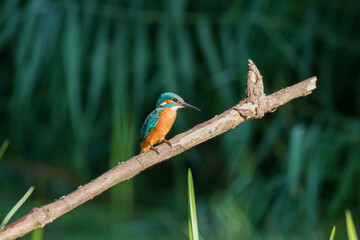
(173,101)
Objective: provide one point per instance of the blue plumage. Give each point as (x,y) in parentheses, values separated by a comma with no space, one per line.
(168,105)
(149,123)
(168,95)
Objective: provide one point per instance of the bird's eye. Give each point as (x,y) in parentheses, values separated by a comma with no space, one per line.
(175,100)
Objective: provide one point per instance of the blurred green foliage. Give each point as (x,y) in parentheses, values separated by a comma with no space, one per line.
(79,77)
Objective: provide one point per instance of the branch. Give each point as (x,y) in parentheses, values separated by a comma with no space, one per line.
(254,106)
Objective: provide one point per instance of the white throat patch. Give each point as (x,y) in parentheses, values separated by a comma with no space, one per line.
(176,107)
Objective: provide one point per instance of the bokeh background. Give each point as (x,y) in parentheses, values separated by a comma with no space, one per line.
(77,78)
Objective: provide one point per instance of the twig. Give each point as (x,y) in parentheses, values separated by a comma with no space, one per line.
(254,106)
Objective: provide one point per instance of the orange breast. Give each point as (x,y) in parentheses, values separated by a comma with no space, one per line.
(166,120)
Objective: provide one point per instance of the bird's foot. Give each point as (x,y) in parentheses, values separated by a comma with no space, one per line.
(167,142)
(154,149)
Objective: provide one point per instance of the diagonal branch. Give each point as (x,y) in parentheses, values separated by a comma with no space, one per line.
(254,106)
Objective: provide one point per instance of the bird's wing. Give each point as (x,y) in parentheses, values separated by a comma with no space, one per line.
(149,124)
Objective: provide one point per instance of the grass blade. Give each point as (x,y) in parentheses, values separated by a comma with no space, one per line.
(4,147)
(140,63)
(123,133)
(167,65)
(295,157)
(185,51)
(98,69)
(72,63)
(332,233)
(193,227)
(16,207)
(37,234)
(350,226)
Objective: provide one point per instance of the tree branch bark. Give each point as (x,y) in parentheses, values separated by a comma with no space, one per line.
(254,106)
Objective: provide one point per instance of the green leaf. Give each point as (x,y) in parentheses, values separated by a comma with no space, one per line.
(332,233)
(16,207)
(193,227)
(350,226)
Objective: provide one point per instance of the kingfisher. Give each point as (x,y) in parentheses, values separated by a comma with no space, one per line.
(159,122)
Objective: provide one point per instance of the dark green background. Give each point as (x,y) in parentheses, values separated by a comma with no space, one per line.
(77,78)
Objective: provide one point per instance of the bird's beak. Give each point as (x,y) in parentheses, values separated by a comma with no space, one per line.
(186,105)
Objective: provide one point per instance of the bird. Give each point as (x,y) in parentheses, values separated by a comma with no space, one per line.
(159,122)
